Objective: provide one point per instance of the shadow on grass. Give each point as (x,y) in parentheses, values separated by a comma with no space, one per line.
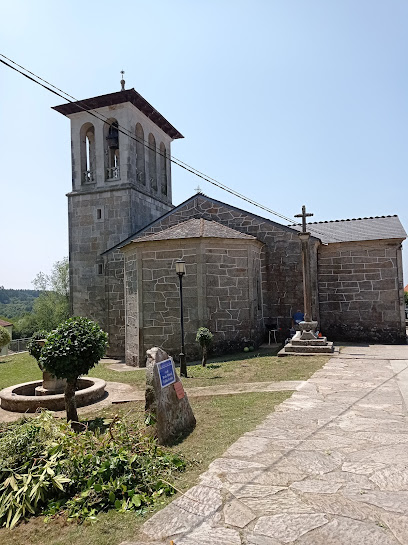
(236,356)
(180,438)
(5,361)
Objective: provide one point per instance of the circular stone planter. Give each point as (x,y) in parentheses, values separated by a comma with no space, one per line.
(21,398)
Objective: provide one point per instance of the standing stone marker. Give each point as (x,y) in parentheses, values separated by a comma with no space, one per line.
(173,414)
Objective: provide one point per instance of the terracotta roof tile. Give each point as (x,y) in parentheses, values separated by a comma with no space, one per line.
(3,323)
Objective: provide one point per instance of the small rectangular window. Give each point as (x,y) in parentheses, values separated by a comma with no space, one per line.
(100,268)
(99,213)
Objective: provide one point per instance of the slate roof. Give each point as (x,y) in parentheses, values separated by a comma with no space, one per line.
(129,95)
(195,228)
(3,323)
(187,202)
(349,230)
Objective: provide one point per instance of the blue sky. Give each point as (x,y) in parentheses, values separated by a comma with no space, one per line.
(290,102)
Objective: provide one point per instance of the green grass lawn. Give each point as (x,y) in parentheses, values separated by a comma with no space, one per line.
(258,367)
(264,366)
(18,368)
(220,421)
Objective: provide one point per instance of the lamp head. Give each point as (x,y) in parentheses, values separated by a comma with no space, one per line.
(180,267)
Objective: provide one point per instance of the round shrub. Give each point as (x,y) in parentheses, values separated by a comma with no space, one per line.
(4,337)
(204,337)
(73,348)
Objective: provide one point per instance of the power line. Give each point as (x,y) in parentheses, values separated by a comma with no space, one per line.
(126,132)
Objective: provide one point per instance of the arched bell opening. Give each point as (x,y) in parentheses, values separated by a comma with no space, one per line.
(140,155)
(112,150)
(87,143)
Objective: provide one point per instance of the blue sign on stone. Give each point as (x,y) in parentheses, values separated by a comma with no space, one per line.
(166,372)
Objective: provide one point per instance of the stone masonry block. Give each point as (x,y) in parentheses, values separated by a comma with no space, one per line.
(387,284)
(367,296)
(374,275)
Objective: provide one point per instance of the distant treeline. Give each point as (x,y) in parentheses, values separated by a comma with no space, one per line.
(17,303)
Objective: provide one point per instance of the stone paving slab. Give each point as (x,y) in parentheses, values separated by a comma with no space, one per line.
(328,467)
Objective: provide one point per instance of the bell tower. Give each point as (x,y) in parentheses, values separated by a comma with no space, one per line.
(121,181)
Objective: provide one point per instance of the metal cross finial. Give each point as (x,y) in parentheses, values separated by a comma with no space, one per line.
(303,215)
(122,81)
(198,189)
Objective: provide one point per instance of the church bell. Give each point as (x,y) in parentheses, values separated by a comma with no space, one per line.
(113,137)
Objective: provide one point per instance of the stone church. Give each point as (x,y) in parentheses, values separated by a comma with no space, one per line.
(243,272)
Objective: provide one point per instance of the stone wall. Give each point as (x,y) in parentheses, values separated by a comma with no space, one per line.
(221,291)
(97,221)
(281,260)
(361,291)
(115,303)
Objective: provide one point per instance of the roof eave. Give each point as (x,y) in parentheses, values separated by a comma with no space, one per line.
(120,97)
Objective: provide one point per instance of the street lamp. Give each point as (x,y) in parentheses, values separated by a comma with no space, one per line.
(181,271)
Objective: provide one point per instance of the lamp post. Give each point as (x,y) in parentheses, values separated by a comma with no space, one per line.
(181,271)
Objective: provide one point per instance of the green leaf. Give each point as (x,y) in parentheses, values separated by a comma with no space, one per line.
(137,500)
(118,504)
(112,497)
(98,488)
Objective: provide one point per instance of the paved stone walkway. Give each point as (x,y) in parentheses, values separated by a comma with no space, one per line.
(328,467)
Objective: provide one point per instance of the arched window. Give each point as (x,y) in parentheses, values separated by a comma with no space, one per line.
(140,155)
(112,155)
(152,162)
(87,154)
(163,168)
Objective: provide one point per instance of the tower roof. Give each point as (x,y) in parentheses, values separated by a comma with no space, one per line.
(129,95)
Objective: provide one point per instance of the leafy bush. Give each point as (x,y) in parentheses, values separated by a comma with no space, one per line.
(47,469)
(4,337)
(71,350)
(34,348)
(204,337)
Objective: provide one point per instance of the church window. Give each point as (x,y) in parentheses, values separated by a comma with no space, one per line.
(152,162)
(100,268)
(163,168)
(140,155)
(112,153)
(87,154)
(99,213)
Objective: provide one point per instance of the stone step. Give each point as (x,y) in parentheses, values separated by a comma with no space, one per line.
(305,349)
(321,341)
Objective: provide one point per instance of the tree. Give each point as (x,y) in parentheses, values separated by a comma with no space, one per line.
(52,306)
(204,337)
(4,337)
(71,350)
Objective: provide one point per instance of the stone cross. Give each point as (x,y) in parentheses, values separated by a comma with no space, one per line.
(122,81)
(303,215)
(307,285)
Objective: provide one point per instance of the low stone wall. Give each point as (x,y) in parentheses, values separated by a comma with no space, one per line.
(360,292)
(21,398)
